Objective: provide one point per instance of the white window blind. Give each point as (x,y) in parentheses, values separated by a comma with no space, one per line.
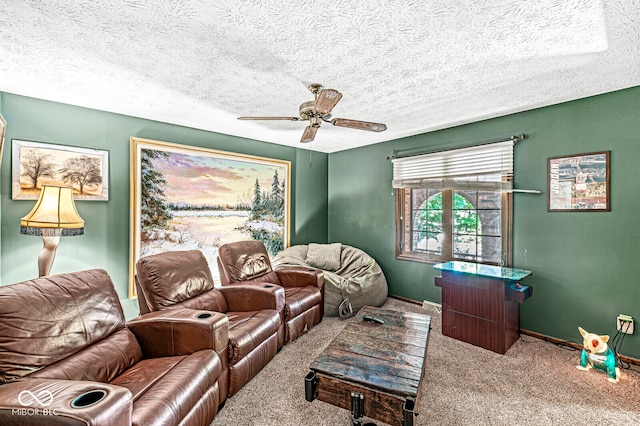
(484,167)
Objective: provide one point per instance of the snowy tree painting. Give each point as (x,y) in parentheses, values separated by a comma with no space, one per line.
(197,198)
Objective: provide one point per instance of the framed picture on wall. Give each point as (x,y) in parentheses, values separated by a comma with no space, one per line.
(185,198)
(578,182)
(3,129)
(35,164)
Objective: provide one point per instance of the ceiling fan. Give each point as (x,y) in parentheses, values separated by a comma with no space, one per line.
(319,110)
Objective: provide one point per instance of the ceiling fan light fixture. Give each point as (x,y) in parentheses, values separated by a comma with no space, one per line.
(319,110)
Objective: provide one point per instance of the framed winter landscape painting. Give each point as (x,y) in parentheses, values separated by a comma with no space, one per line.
(35,164)
(185,198)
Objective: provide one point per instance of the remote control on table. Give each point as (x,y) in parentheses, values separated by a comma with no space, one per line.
(372,319)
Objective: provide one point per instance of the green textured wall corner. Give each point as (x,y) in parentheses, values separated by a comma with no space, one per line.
(583,263)
(106,241)
(311,200)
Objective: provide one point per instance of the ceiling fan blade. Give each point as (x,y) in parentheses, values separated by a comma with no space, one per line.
(327,99)
(309,134)
(361,125)
(271,118)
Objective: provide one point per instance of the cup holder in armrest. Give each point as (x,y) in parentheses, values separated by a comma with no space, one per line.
(88,399)
(203,315)
(267,286)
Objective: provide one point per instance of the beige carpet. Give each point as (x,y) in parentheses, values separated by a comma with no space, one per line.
(534,383)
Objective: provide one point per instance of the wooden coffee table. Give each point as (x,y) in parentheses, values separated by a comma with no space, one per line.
(373,369)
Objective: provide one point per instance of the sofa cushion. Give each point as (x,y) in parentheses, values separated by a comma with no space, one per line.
(100,362)
(168,280)
(324,256)
(247,330)
(300,299)
(45,320)
(155,381)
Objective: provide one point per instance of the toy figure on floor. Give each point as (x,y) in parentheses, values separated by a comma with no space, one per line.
(597,354)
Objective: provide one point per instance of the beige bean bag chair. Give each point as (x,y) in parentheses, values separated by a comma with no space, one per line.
(352,278)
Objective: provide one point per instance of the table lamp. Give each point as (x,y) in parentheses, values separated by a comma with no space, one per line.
(54,215)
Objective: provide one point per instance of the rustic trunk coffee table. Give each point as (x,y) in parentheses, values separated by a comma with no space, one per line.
(374,366)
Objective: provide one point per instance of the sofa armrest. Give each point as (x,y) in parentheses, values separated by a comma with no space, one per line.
(180,331)
(300,277)
(253,296)
(64,402)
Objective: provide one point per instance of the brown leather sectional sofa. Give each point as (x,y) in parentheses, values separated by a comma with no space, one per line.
(243,262)
(68,357)
(182,279)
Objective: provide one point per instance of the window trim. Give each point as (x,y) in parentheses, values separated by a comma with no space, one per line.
(447,195)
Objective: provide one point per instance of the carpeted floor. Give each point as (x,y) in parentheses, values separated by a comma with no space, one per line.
(534,383)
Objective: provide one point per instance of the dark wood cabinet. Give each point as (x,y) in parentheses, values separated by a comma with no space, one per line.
(481,303)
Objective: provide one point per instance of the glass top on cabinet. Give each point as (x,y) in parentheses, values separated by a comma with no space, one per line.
(502,273)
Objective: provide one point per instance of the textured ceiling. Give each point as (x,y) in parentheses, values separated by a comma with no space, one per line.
(415,65)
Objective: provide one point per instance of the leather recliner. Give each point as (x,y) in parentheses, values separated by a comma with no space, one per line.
(68,357)
(244,261)
(182,279)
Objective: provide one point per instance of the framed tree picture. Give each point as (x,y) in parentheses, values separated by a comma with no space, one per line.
(185,198)
(578,182)
(3,129)
(35,164)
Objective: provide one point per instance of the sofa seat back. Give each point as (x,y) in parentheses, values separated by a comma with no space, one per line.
(165,283)
(60,325)
(245,261)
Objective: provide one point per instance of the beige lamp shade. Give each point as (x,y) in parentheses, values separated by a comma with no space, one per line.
(54,214)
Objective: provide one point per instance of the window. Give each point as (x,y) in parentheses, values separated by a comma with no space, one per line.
(441,225)
(453,216)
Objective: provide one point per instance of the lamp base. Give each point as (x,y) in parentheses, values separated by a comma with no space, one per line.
(48,254)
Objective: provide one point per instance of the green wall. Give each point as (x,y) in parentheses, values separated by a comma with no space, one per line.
(106,240)
(1,155)
(583,263)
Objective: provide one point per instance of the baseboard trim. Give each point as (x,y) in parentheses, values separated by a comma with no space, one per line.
(554,340)
(404,299)
(573,345)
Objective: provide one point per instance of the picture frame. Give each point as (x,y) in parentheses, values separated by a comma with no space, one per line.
(201,198)
(3,130)
(579,183)
(35,164)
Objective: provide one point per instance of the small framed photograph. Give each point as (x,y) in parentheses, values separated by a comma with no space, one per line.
(36,164)
(578,182)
